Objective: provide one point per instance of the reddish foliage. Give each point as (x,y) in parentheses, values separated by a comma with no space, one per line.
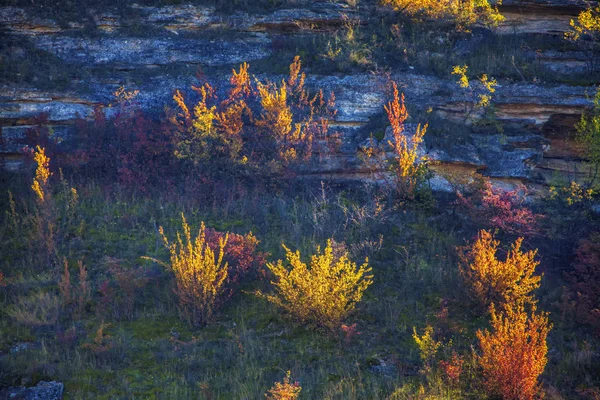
(129,147)
(2,280)
(585,281)
(496,208)
(452,369)
(240,253)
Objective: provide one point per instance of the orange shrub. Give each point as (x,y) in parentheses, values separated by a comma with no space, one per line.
(513,354)
(495,281)
(260,125)
(408,165)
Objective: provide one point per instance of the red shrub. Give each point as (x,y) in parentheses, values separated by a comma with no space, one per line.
(240,253)
(129,147)
(495,208)
(452,369)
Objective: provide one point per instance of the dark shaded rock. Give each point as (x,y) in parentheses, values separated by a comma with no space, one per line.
(42,391)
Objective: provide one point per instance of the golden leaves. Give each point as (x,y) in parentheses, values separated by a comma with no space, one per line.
(200,273)
(491,280)
(322,293)
(42,174)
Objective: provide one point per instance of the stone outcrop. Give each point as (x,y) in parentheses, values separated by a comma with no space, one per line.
(536,120)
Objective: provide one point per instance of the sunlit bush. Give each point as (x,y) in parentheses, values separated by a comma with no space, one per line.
(408,165)
(464,13)
(200,273)
(260,126)
(285,390)
(491,280)
(513,353)
(322,293)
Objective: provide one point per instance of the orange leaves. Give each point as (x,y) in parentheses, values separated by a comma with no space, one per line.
(288,123)
(513,353)
(495,281)
(185,112)
(396,112)
(408,164)
(240,84)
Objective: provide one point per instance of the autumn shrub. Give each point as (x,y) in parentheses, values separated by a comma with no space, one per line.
(513,353)
(241,253)
(285,390)
(408,166)
(260,126)
(322,293)
(492,280)
(496,208)
(200,273)
(584,277)
(463,13)
(45,218)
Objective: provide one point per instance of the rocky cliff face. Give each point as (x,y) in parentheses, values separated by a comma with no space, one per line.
(163,46)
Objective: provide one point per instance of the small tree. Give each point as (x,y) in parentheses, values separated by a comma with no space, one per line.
(491,280)
(408,166)
(513,354)
(322,294)
(200,273)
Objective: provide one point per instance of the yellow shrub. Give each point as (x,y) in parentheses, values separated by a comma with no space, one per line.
(42,174)
(428,347)
(200,274)
(504,282)
(322,294)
